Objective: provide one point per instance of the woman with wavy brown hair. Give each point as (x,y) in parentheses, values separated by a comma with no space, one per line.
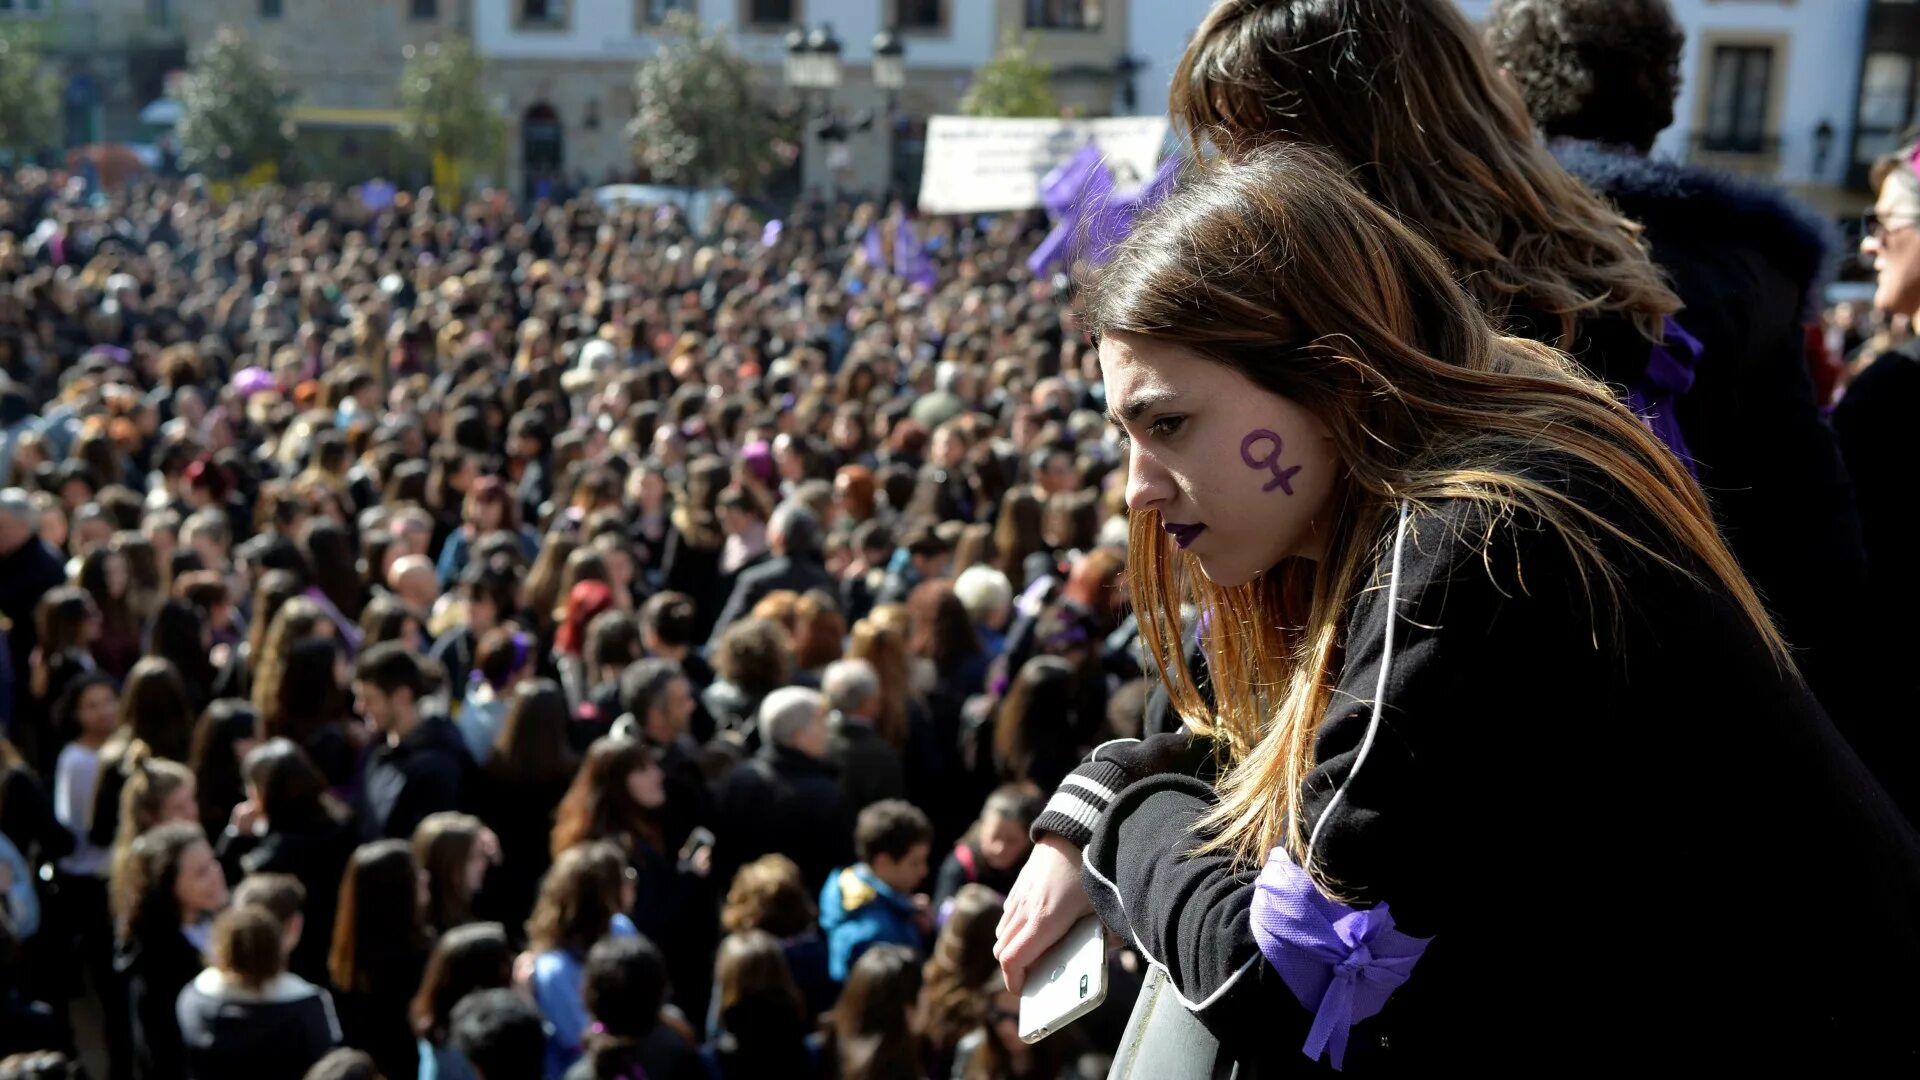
(1484,675)
(1407,97)
(962,961)
(1404,94)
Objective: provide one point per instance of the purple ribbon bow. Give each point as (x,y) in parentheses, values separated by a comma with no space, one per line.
(1669,374)
(1340,962)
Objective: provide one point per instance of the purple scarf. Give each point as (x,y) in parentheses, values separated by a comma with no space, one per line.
(1669,375)
(1340,962)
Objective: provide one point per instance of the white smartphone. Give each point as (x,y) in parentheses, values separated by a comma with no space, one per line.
(1066,983)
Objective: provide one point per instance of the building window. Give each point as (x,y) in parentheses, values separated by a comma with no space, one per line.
(1886,105)
(1739,90)
(655,12)
(543,14)
(21,7)
(765,13)
(272,9)
(424,10)
(1063,14)
(920,15)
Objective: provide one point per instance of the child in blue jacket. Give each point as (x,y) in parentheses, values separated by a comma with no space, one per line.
(873,900)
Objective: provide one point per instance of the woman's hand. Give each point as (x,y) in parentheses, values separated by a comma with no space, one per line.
(1045,903)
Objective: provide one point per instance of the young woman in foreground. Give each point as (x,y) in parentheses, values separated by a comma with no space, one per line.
(1512,764)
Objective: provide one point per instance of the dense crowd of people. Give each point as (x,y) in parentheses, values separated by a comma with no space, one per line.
(471,640)
(557,599)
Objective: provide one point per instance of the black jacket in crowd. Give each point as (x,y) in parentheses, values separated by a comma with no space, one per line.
(1878,422)
(870,768)
(781,800)
(232,1033)
(1749,261)
(375,1019)
(30,572)
(521,815)
(422,774)
(800,574)
(315,852)
(1639,841)
(154,970)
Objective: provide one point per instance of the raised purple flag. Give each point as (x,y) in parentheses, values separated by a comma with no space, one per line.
(910,259)
(770,235)
(1340,962)
(1090,217)
(876,250)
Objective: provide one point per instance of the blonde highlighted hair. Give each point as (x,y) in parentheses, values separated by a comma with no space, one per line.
(1406,95)
(1274,265)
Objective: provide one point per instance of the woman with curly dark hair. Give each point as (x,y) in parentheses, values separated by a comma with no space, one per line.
(769,894)
(164,904)
(753,659)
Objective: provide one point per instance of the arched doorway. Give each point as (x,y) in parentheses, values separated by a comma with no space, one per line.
(542,148)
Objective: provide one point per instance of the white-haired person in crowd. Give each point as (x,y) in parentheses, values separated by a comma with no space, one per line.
(785,798)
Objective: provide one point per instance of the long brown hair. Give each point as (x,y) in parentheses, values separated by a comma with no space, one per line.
(378,915)
(578,899)
(1279,268)
(750,974)
(962,961)
(467,958)
(599,805)
(442,845)
(867,1033)
(61,620)
(886,649)
(942,632)
(532,745)
(1407,96)
(297,620)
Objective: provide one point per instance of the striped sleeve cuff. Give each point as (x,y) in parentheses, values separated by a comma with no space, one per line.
(1082,797)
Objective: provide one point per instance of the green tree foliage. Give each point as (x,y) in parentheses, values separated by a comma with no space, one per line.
(233,110)
(1015,82)
(29,99)
(443,101)
(697,120)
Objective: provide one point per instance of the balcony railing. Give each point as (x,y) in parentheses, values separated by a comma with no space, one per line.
(1754,155)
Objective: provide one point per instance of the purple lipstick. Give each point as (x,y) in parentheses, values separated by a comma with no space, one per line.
(1183,535)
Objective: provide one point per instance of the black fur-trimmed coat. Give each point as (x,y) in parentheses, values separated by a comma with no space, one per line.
(1750,262)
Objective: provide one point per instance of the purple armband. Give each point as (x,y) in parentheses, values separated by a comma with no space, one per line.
(1340,962)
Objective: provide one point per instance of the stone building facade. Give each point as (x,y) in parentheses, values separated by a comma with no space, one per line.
(563,70)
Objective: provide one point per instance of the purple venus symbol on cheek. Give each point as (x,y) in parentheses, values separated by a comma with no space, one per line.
(1282,478)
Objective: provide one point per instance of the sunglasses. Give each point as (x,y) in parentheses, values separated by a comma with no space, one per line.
(1003,1016)
(1872,224)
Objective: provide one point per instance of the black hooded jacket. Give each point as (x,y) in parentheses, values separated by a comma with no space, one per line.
(1584,815)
